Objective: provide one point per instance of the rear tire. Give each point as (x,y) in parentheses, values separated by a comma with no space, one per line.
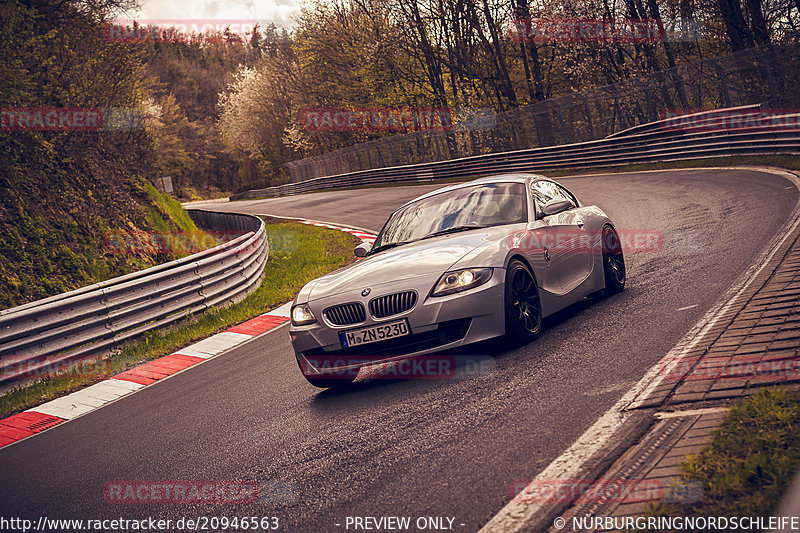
(613,262)
(523,306)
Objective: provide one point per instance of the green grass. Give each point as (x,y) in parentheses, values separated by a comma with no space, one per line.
(168,207)
(87,232)
(298,254)
(791,162)
(749,464)
(166,216)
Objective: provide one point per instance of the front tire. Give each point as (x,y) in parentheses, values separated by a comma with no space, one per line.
(613,262)
(523,306)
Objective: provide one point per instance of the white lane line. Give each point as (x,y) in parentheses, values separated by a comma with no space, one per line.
(691,412)
(687,307)
(516,514)
(713,316)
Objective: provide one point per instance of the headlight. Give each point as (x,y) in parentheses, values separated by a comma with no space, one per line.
(461,280)
(302,315)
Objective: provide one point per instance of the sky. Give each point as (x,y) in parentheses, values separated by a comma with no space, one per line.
(279,12)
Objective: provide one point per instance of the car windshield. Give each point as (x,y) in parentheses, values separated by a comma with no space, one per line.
(491,204)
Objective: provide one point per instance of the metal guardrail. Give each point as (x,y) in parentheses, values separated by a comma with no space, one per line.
(762,74)
(50,333)
(648,143)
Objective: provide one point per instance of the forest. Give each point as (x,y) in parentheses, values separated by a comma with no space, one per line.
(224,114)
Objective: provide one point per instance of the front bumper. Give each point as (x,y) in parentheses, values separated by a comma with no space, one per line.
(436,324)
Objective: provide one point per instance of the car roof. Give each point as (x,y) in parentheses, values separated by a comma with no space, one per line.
(499,178)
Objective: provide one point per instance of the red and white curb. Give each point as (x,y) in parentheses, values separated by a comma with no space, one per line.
(55,412)
(365,236)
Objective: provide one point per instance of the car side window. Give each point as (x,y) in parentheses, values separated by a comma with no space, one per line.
(543,191)
(566,195)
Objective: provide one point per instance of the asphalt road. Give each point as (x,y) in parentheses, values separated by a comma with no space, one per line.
(410,448)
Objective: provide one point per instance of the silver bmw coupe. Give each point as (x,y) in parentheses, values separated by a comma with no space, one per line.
(459,265)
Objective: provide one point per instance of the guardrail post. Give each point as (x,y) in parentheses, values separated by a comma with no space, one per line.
(588,114)
(623,121)
(770,80)
(723,83)
(651,112)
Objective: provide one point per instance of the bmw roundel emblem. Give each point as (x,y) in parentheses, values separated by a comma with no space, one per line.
(365,292)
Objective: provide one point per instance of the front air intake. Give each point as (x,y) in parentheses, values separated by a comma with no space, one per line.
(345,314)
(392,304)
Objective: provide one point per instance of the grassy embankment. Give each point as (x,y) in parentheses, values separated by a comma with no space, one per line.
(298,254)
(65,241)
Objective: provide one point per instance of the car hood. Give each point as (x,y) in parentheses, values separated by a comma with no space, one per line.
(426,257)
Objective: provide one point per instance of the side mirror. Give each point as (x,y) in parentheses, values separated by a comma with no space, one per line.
(556,206)
(363,249)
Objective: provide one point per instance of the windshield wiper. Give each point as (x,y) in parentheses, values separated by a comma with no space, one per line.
(453,229)
(387,246)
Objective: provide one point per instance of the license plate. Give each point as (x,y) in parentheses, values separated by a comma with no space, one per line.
(357,337)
